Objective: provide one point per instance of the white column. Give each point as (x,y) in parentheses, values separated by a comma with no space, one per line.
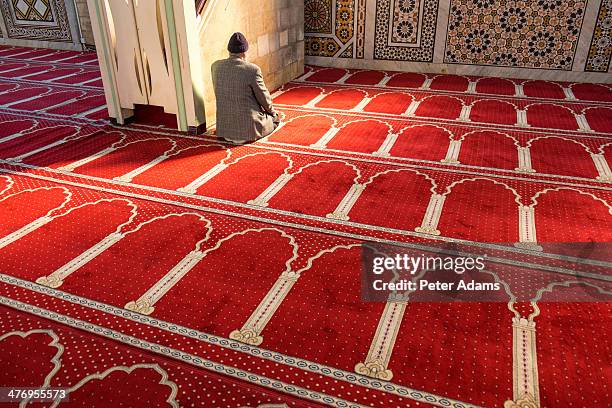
(385,148)
(57,105)
(569,94)
(90,111)
(21,53)
(145,304)
(12,69)
(347,203)
(84,83)
(25,230)
(64,59)
(305,76)
(432,215)
(379,354)
(317,99)
(519,91)
(263,199)
(47,55)
(364,102)
(56,279)
(344,78)
(524,160)
(452,155)
(324,140)
(414,105)
(11,137)
(383,82)
(128,177)
(65,76)
(427,84)
(521,118)
(527,229)
(192,187)
(465,113)
(33,74)
(36,151)
(471,87)
(525,362)
(250,333)
(602,168)
(583,124)
(31,98)
(82,162)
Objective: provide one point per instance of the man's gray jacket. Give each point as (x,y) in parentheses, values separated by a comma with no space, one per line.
(244,105)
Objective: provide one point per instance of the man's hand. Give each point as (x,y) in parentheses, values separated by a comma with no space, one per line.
(276,117)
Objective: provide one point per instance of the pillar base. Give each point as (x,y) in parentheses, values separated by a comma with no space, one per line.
(526,401)
(140,306)
(197,130)
(374,370)
(127,114)
(247,337)
(530,246)
(50,281)
(428,231)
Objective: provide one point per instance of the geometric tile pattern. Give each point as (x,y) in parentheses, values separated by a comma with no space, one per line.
(334,28)
(600,52)
(317,15)
(360,25)
(527,34)
(405,21)
(405,30)
(320,46)
(44,20)
(538,34)
(33,10)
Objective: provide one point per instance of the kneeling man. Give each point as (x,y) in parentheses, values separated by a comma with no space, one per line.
(244,105)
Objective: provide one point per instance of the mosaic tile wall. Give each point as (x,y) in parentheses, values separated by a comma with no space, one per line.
(39,23)
(601,44)
(335,28)
(36,19)
(405,30)
(527,34)
(538,35)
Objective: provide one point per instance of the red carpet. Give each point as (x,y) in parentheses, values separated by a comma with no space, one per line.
(139,262)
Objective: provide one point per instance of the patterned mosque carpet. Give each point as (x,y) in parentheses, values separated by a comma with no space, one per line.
(144,267)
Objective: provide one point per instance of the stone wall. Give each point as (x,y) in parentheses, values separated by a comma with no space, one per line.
(549,39)
(85,20)
(274,29)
